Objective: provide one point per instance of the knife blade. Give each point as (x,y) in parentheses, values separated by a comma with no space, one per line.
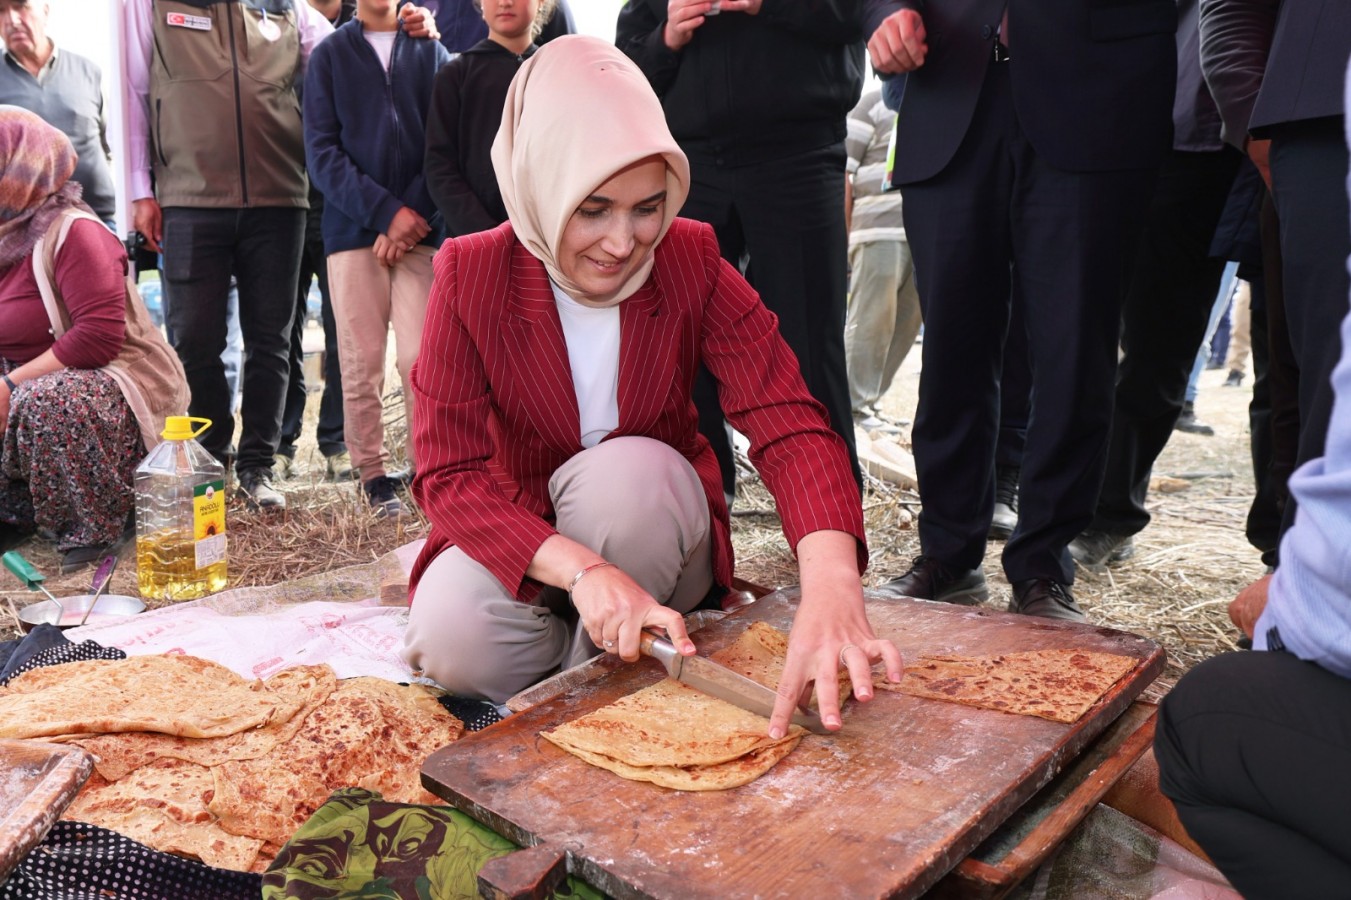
(721,682)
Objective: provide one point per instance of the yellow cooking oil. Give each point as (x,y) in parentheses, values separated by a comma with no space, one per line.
(180,516)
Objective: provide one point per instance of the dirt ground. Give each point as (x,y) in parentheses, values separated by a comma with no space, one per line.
(1189,562)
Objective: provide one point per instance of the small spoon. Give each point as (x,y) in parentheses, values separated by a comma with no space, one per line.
(100,583)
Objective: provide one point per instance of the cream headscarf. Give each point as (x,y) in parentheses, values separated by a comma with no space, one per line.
(577,112)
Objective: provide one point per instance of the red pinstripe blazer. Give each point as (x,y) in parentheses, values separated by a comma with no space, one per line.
(497,413)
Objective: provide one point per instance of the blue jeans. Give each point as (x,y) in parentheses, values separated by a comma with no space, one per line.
(261,248)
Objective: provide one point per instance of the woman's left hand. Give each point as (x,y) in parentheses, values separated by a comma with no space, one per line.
(830,632)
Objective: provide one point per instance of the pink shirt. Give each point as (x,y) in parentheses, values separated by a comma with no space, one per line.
(91,272)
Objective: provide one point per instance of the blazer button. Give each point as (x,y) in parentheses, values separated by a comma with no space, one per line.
(986,32)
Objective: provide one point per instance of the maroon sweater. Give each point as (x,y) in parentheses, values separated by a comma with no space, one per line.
(91,271)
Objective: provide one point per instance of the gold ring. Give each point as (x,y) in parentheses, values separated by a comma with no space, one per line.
(844,664)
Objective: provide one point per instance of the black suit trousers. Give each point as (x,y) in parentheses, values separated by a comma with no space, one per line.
(787,217)
(1169,293)
(1308,173)
(999,212)
(1253,750)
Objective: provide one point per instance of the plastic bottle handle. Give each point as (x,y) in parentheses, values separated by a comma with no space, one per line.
(205,424)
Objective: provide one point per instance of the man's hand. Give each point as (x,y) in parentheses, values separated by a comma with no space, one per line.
(388,252)
(898,45)
(682,18)
(1260,154)
(1247,607)
(147,218)
(418,22)
(407,229)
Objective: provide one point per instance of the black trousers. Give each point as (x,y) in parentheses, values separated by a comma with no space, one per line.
(786,216)
(1308,174)
(998,213)
(328,430)
(1254,750)
(261,248)
(1169,292)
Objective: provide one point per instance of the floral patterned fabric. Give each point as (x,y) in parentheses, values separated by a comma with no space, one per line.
(357,845)
(70,449)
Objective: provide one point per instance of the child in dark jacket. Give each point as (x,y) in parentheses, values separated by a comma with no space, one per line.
(367,90)
(467,110)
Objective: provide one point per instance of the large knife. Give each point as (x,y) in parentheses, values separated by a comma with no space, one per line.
(720,681)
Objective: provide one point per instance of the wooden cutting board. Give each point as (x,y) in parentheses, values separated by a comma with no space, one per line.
(37,782)
(882,809)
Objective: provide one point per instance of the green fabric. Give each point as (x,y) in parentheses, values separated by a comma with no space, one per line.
(359,846)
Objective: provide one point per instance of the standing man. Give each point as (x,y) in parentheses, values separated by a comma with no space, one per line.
(65,89)
(1275,69)
(756,93)
(1020,172)
(212,106)
(1169,296)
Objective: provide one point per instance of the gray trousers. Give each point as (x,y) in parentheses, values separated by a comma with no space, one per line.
(635,501)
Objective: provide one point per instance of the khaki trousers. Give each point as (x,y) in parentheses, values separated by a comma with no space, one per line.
(367,299)
(635,501)
(1240,330)
(882,321)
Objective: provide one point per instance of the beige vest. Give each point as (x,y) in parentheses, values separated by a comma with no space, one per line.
(146,370)
(225,118)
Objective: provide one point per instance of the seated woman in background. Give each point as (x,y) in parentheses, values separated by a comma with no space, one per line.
(573,502)
(69,438)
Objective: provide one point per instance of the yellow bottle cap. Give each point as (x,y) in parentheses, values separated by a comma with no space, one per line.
(179,428)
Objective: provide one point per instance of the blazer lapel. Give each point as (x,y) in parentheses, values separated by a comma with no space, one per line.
(539,356)
(646,358)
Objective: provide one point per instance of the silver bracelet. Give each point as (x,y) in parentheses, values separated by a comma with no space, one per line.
(572,585)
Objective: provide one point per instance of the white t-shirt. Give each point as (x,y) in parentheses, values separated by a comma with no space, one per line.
(383,44)
(592,336)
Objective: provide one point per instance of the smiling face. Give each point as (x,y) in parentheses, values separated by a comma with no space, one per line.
(611,234)
(23,28)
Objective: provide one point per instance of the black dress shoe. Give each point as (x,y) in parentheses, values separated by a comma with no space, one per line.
(1187,421)
(1095,549)
(1046,598)
(928,579)
(1005,502)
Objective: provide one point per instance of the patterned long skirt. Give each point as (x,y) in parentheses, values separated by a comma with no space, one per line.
(71,447)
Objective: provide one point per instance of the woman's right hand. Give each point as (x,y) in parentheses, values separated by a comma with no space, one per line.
(614,610)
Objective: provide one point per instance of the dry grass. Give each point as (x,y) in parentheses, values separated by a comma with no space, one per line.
(1189,562)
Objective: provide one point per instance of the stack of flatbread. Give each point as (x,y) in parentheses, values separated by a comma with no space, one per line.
(192,759)
(678,737)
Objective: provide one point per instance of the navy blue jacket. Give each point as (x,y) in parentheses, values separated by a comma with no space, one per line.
(365,130)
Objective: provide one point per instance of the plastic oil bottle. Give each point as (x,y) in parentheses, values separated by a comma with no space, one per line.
(180,516)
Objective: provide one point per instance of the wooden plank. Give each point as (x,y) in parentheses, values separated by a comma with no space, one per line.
(1030,835)
(37,782)
(884,808)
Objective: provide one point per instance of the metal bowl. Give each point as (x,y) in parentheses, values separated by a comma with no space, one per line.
(110,607)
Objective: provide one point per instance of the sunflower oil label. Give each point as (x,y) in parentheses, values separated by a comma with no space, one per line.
(208,522)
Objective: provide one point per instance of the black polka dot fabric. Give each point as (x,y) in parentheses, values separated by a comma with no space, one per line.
(64,654)
(84,862)
(475,714)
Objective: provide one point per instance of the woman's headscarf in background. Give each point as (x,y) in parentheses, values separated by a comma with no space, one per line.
(36,162)
(578,112)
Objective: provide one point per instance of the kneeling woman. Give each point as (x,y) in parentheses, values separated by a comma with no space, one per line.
(573,501)
(69,439)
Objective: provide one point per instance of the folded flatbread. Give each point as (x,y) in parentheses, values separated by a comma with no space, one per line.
(678,737)
(179,695)
(1060,685)
(121,753)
